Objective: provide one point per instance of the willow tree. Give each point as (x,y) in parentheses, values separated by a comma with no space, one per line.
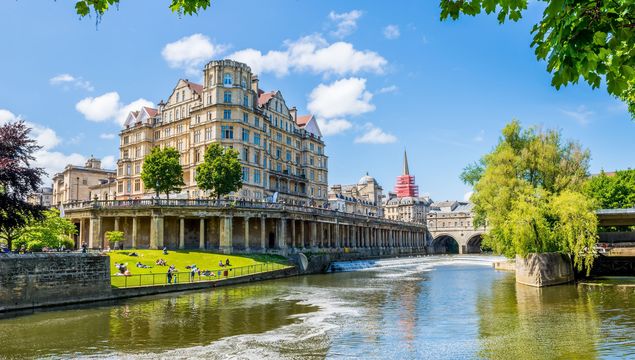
(529,193)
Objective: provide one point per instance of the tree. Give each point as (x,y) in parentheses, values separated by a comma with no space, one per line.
(51,231)
(114,237)
(99,7)
(529,195)
(18,179)
(220,172)
(612,192)
(162,171)
(589,39)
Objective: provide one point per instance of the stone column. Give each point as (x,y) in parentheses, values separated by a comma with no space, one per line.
(246,220)
(94,233)
(313,234)
(367,236)
(302,232)
(328,235)
(321,234)
(156,231)
(293,235)
(201,233)
(117,223)
(135,226)
(263,233)
(282,234)
(226,234)
(181,233)
(337,234)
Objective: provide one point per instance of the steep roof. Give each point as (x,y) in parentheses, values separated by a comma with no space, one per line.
(197,88)
(264,97)
(303,119)
(151,112)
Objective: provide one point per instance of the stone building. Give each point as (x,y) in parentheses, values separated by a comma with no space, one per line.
(75,182)
(281,152)
(405,204)
(44,197)
(364,198)
(451,224)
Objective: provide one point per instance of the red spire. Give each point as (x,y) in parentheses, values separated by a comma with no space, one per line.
(405,186)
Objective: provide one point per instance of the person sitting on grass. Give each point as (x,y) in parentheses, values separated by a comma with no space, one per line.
(142,266)
(227,263)
(122,268)
(220,263)
(161,262)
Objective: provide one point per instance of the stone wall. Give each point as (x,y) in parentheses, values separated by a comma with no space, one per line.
(544,269)
(34,280)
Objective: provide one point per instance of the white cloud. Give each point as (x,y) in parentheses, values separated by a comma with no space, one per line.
(67,80)
(191,52)
(341,98)
(391,32)
(345,23)
(468,195)
(333,126)
(313,54)
(107,136)
(581,115)
(375,135)
(108,107)
(388,89)
(6,116)
(480,136)
(108,162)
(45,137)
(100,108)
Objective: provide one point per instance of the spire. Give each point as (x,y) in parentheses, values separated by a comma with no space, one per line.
(405,163)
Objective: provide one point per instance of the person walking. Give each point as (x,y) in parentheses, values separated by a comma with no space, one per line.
(169,275)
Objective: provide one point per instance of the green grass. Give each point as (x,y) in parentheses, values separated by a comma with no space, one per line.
(240,265)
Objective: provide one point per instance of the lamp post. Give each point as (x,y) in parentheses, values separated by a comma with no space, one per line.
(77,191)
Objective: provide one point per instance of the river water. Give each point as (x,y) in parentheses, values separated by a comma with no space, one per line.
(438,307)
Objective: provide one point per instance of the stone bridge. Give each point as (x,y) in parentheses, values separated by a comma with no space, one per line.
(456,241)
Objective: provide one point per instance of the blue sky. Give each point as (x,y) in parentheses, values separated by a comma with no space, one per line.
(381,78)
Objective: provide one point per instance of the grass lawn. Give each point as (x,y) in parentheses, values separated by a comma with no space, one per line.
(204,260)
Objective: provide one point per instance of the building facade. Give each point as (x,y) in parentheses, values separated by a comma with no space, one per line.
(363,198)
(75,182)
(44,197)
(451,225)
(282,153)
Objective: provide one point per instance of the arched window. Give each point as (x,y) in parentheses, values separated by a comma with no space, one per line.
(227,80)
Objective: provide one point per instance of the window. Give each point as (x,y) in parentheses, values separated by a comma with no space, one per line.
(128,169)
(246,174)
(137,169)
(279,167)
(208,133)
(197,157)
(227,79)
(177,114)
(84,182)
(246,118)
(257,157)
(256,138)
(177,96)
(278,152)
(243,82)
(138,136)
(183,95)
(227,114)
(257,176)
(246,101)
(246,154)
(256,121)
(319,150)
(179,145)
(157,135)
(125,140)
(311,147)
(311,160)
(289,140)
(227,132)
(137,185)
(246,135)
(227,98)
(128,186)
(288,155)
(197,136)
(120,187)
(279,137)
(125,154)
(312,175)
(179,128)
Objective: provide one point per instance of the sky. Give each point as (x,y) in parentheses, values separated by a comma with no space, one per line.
(380,78)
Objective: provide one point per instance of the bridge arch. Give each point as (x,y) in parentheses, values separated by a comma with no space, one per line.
(473,244)
(445,244)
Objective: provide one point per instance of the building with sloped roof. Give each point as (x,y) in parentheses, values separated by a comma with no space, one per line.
(364,198)
(281,151)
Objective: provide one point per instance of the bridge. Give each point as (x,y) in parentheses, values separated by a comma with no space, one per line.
(241,226)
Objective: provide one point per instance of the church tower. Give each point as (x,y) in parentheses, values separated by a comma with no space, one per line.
(405,186)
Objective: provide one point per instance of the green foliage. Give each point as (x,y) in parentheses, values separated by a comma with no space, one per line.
(220,172)
(473,172)
(52,231)
(114,236)
(612,192)
(99,7)
(588,39)
(529,195)
(162,171)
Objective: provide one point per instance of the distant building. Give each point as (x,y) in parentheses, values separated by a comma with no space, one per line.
(405,204)
(451,225)
(363,198)
(43,197)
(75,182)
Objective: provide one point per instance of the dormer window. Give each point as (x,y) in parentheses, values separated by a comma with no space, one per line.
(227,79)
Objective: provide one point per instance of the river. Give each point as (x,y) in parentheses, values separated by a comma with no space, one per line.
(438,307)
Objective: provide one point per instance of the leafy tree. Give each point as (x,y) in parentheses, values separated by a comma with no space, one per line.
(589,39)
(18,179)
(99,7)
(162,171)
(220,172)
(114,237)
(51,231)
(612,192)
(529,195)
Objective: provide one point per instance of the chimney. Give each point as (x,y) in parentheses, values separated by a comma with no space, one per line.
(254,84)
(294,114)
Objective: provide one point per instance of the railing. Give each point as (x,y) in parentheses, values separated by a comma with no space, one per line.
(154,279)
(210,203)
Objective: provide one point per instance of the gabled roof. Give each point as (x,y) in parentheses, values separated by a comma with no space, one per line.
(264,97)
(151,112)
(303,119)
(197,88)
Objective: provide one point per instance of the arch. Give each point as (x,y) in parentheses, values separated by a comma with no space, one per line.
(474,244)
(445,244)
